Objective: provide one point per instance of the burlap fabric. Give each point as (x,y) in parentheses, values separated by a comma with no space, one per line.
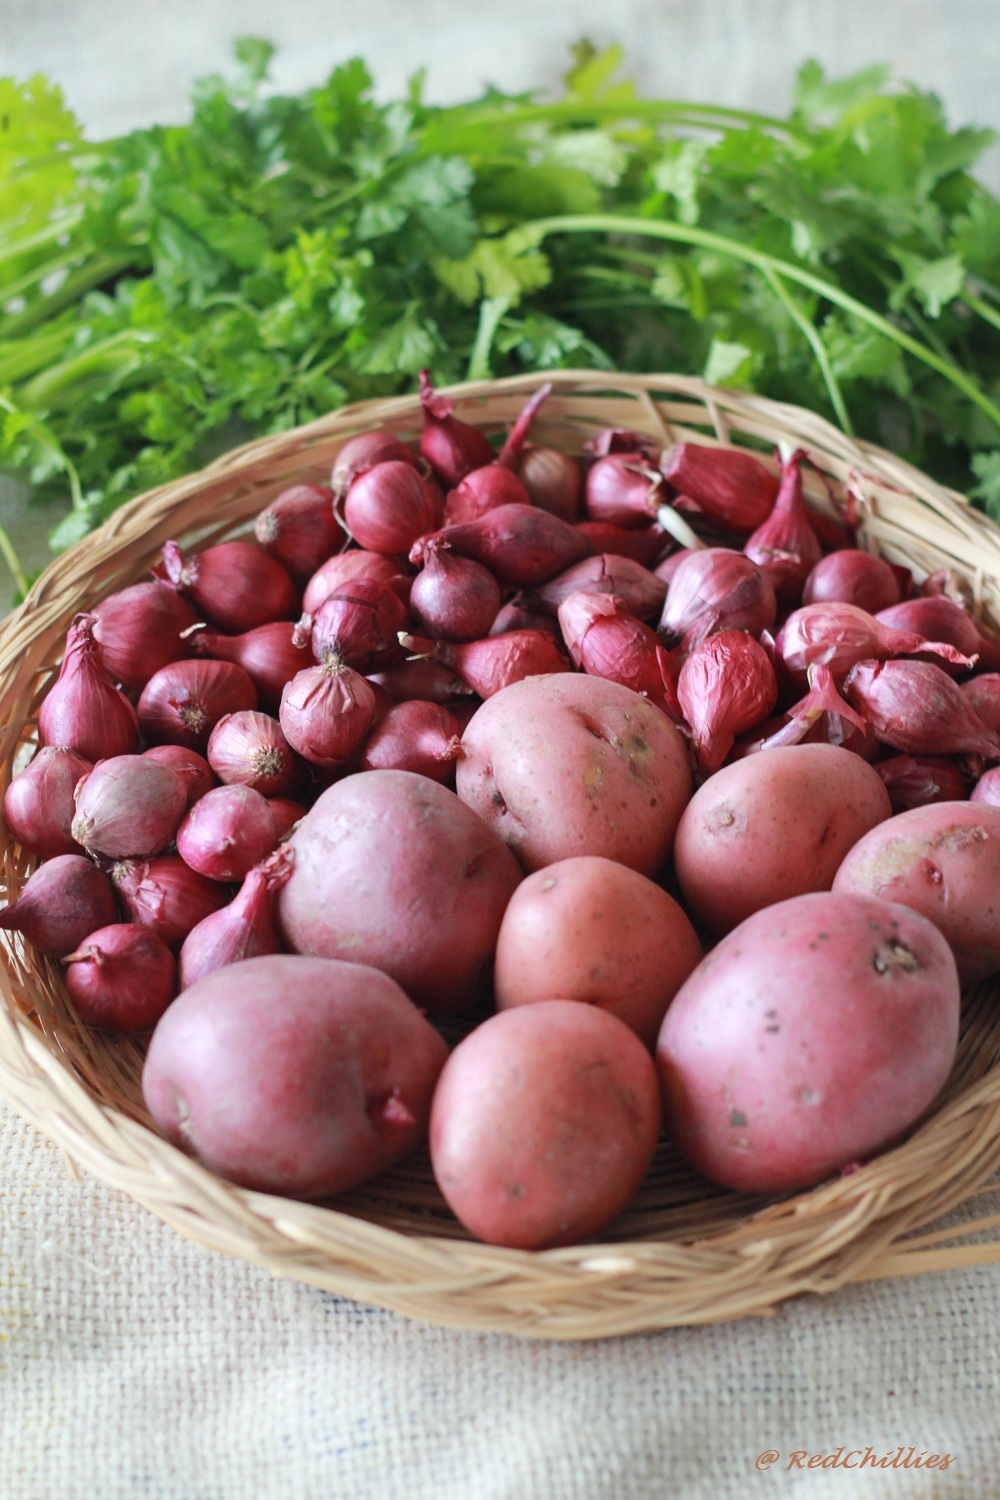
(137,1366)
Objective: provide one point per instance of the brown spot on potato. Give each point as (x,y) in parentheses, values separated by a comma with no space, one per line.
(895,955)
(737,1117)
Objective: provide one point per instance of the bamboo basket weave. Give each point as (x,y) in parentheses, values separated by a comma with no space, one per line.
(684,1252)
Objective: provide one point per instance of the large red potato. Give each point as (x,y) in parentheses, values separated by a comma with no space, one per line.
(293,1075)
(544,1122)
(943,861)
(392,870)
(591,929)
(812,1036)
(568,764)
(774,825)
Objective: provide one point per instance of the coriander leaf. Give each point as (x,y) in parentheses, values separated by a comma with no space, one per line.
(934,282)
(678,173)
(729,364)
(986,467)
(408,344)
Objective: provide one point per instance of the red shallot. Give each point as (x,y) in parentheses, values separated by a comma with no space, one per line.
(243,929)
(345,567)
(83,710)
(416,736)
(518,543)
(38,805)
(129,807)
(121,978)
(270,655)
(488,665)
(326,711)
(362,453)
(716,589)
(622,490)
(850,576)
(452,448)
(987,788)
(606,640)
(482,490)
(236,585)
(982,693)
(250,749)
(182,703)
(141,629)
(553,479)
(641,592)
(645,545)
(916,780)
(725,687)
(166,896)
(300,529)
(388,507)
(838,635)
(822,701)
(938,618)
(514,615)
(63,900)
(286,814)
(423,679)
(229,831)
(784,545)
(732,488)
(193,769)
(361,622)
(453,598)
(915,707)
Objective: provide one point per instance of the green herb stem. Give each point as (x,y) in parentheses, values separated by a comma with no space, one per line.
(815,343)
(13,562)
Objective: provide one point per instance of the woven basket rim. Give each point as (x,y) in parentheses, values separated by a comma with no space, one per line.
(860,1227)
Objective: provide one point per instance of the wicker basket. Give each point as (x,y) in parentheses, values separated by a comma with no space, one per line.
(684,1252)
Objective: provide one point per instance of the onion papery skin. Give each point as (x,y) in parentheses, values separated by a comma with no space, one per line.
(250,749)
(141,629)
(129,807)
(361,453)
(166,896)
(784,545)
(645,545)
(39,805)
(355,562)
(489,665)
(182,703)
(121,978)
(228,832)
(916,708)
(732,488)
(622,490)
(640,592)
(194,769)
(361,622)
(326,712)
(60,903)
(725,687)
(717,589)
(605,640)
(83,710)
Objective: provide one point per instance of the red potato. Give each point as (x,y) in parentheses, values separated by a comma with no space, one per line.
(812,1036)
(293,1075)
(567,764)
(392,870)
(773,826)
(544,1122)
(591,929)
(942,860)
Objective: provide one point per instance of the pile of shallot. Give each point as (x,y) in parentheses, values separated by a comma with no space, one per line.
(199,714)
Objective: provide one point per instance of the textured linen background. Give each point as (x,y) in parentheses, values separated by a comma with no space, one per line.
(136,1366)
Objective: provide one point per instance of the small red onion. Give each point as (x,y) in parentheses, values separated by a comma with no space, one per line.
(641,592)
(129,807)
(326,712)
(519,544)
(193,769)
(725,687)
(354,563)
(784,545)
(361,453)
(717,589)
(646,545)
(553,479)
(416,736)
(38,805)
(236,585)
(515,616)
(852,577)
(453,598)
(488,665)
(938,618)
(388,507)
(605,640)
(982,693)
(987,788)
(243,929)
(182,703)
(731,487)
(228,832)
(270,655)
(482,490)
(621,440)
(426,680)
(361,622)
(300,529)
(622,490)
(140,630)
(250,749)
(916,780)
(83,710)
(165,896)
(915,707)
(121,978)
(452,448)
(838,635)
(668,567)
(286,814)
(63,900)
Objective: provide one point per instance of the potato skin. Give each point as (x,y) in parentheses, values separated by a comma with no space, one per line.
(812,1036)
(774,825)
(568,764)
(301,1076)
(392,870)
(942,860)
(544,1122)
(591,929)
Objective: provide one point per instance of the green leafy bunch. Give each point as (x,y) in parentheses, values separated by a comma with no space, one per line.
(167,291)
